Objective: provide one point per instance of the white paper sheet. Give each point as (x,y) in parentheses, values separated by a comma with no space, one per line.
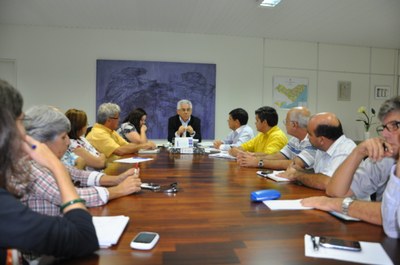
(286,205)
(132,160)
(343,216)
(223,154)
(109,229)
(149,151)
(371,253)
(273,175)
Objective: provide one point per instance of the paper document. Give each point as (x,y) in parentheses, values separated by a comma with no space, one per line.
(371,253)
(223,154)
(109,229)
(149,151)
(209,150)
(343,216)
(206,144)
(132,160)
(273,175)
(286,205)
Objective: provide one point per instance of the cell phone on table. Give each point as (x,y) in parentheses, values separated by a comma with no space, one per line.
(150,186)
(145,240)
(330,242)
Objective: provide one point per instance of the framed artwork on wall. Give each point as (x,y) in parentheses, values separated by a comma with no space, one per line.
(157,87)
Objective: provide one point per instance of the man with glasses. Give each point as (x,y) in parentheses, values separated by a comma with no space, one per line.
(184,124)
(299,148)
(326,135)
(365,171)
(105,138)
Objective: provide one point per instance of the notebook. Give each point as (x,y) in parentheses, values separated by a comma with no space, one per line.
(109,229)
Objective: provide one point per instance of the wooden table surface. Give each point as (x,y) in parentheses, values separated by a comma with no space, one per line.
(211,220)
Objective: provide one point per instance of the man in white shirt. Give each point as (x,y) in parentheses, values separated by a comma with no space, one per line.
(241,132)
(380,151)
(326,134)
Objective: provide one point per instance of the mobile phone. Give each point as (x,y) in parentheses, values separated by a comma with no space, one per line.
(150,186)
(264,173)
(145,240)
(330,242)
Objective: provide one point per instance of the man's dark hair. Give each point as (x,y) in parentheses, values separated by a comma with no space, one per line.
(269,114)
(240,114)
(329,131)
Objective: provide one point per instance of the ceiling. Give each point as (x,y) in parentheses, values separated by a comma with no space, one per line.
(371,23)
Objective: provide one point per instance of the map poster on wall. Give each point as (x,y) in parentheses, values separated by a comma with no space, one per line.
(289,92)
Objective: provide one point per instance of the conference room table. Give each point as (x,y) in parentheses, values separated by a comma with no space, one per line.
(211,219)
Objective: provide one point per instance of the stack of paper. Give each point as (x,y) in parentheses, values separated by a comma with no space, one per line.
(273,175)
(149,151)
(109,229)
(286,205)
(223,154)
(132,160)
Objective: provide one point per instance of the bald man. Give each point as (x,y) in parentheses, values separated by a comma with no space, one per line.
(298,149)
(326,134)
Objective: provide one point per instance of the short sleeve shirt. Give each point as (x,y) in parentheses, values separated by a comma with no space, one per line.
(302,149)
(105,140)
(269,143)
(126,128)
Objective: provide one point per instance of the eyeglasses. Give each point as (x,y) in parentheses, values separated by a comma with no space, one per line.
(391,126)
(114,118)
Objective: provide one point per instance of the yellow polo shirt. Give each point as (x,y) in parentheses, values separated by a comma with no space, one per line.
(104,139)
(270,142)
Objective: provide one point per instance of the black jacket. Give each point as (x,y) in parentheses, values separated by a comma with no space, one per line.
(174,123)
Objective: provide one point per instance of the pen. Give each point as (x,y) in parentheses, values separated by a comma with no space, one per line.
(315,245)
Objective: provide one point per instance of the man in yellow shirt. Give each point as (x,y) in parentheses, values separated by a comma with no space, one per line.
(104,137)
(270,138)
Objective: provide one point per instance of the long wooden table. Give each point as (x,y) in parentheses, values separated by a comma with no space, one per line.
(211,220)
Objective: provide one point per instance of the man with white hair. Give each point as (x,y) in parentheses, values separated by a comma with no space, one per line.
(184,124)
(105,138)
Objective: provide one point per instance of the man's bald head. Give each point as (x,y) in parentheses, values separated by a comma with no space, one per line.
(326,124)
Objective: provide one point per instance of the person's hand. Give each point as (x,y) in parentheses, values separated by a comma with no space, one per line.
(290,173)
(130,185)
(320,202)
(181,130)
(246,159)
(189,129)
(143,129)
(234,151)
(376,149)
(150,145)
(217,144)
(130,172)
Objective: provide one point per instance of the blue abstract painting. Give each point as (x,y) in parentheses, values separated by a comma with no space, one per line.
(157,87)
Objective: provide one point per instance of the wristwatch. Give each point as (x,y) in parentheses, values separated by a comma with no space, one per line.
(346,204)
(260,163)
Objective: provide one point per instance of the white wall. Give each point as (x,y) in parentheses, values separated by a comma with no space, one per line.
(324,65)
(57,66)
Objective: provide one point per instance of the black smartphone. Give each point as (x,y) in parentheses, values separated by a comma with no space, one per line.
(330,242)
(264,173)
